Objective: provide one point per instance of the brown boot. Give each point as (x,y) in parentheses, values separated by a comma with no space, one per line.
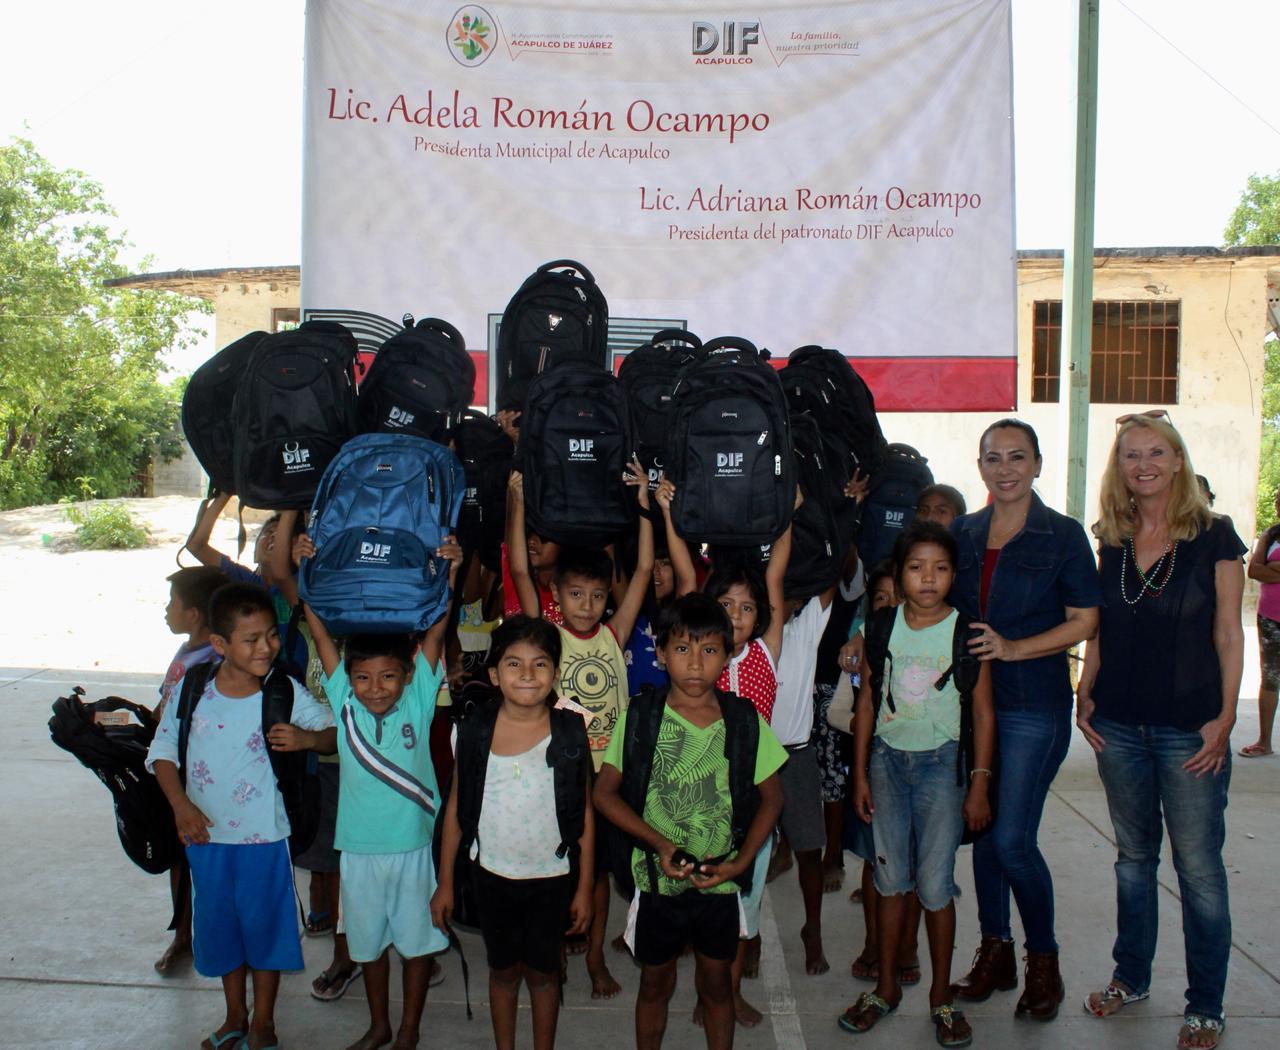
(994,970)
(1044,990)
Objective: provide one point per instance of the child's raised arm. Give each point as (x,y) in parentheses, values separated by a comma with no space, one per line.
(433,642)
(326,648)
(280,558)
(518,547)
(681,559)
(774,575)
(206,518)
(624,619)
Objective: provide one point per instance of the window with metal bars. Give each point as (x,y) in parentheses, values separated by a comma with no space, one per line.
(1134,352)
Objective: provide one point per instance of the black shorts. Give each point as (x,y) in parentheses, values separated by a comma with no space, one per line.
(523,920)
(605,831)
(708,922)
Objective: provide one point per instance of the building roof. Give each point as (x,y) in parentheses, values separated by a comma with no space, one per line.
(1175,252)
(205,284)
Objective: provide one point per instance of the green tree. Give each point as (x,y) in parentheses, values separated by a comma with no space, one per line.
(81,365)
(1255,221)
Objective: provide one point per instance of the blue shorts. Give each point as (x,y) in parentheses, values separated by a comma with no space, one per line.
(749,903)
(244,907)
(386,900)
(918,822)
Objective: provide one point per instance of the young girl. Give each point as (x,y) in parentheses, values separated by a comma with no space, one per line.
(532,866)
(906,771)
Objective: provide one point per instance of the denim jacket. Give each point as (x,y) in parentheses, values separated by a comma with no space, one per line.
(1043,570)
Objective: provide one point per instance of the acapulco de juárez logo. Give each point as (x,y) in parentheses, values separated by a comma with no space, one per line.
(472,35)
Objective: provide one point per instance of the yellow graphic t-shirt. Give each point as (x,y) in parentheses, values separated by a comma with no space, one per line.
(593,673)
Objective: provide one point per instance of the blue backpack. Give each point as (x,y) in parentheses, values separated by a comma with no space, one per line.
(384,505)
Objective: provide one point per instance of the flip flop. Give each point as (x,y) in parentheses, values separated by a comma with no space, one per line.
(909,975)
(1111,999)
(335,984)
(318,923)
(1194,1024)
(867,1001)
(233,1037)
(950,1029)
(1254,751)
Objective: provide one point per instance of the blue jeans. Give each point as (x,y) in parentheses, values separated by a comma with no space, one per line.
(1031,746)
(1141,769)
(917,823)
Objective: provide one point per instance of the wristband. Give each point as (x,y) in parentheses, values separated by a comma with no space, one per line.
(975,772)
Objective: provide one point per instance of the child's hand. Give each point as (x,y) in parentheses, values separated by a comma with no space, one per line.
(193,826)
(451,552)
(636,475)
(442,908)
(284,736)
(862,800)
(303,547)
(670,868)
(581,910)
(977,807)
(665,494)
(799,498)
(507,420)
(515,485)
(708,875)
(857,486)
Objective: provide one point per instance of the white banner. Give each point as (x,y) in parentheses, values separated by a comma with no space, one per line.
(836,173)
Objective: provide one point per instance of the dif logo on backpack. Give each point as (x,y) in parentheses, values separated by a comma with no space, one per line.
(399,417)
(729,464)
(297,460)
(374,553)
(582,450)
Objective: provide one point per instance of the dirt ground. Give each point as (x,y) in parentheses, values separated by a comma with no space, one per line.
(100,610)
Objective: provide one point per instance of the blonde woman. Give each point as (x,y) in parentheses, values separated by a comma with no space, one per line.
(1157,701)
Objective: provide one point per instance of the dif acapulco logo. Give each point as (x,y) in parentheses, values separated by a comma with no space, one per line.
(472,35)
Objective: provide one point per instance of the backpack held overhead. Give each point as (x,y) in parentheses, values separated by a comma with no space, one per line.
(385,504)
(729,448)
(486,453)
(891,502)
(116,754)
(206,410)
(420,382)
(295,771)
(820,535)
(575,444)
(648,375)
(558,316)
(293,409)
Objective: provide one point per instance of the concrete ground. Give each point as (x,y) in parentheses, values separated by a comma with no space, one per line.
(83,925)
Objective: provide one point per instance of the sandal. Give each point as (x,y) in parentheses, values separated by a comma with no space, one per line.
(1194,1025)
(949,1026)
(1254,751)
(318,923)
(908,975)
(868,1009)
(233,1037)
(1110,999)
(329,987)
(865,971)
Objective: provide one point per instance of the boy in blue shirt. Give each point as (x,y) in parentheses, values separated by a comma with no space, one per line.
(384,693)
(231,816)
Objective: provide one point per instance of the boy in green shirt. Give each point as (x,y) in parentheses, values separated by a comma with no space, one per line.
(698,823)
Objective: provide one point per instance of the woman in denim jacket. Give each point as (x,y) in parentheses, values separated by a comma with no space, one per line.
(1028,579)
(1157,702)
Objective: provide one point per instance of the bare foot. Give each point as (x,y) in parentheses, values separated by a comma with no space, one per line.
(576,945)
(405,1041)
(814,961)
(832,878)
(178,953)
(372,1039)
(856,895)
(619,944)
(751,960)
(227,1026)
(697,1012)
(603,986)
(780,862)
(744,1013)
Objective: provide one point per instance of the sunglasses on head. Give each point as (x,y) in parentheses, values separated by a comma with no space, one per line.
(1152,413)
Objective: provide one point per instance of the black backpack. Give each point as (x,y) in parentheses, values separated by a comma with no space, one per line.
(206,410)
(293,409)
(963,673)
(648,375)
(557,316)
(568,755)
(420,382)
(820,537)
(116,756)
(295,771)
(486,453)
(890,505)
(575,444)
(644,718)
(729,448)
(822,383)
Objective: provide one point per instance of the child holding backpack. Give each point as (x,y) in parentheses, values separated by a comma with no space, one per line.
(384,691)
(518,829)
(696,818)
(910,737)
(210,757)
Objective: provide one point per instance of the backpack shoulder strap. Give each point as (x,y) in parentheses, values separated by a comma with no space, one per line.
(569,756)
(876,653)
(277,706)
(193,686)
(475,737)
(644,719)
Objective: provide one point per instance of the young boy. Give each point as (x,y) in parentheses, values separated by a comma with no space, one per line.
(593,668)
(189,592)
(688,807)
(231,817)
(385,696)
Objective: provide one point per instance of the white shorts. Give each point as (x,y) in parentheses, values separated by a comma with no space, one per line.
(386,901)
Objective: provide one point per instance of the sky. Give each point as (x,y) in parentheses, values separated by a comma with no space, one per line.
(190,116)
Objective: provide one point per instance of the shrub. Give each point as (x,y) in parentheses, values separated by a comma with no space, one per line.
(107,526)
